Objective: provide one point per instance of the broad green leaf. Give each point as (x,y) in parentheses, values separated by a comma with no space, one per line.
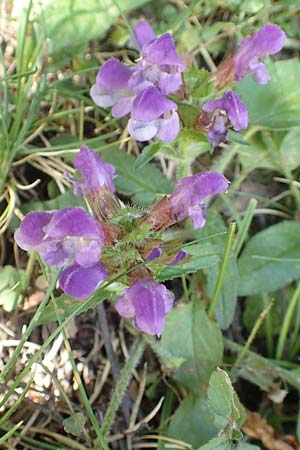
(290,149)
(66,305)
(226,303)
(74,424)
(144,184)
(246,446)
(12,283)
(220,443)
(192,422)
(191,335)
(72,23)
(277,104)
(224,404)
(271,259)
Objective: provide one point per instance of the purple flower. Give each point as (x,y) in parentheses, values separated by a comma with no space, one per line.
(111,88)
(80,282)
(143,34)
(147,303)
(96,173)
(161,65)
(229,108)
(188,199)
(267,41)
(151,115)
(179,257)
(59,235)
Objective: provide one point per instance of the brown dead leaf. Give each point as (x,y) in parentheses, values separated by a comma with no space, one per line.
(258,428)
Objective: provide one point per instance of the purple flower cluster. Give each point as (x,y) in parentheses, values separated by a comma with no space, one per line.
(140,90)
(73,239)
(229,110)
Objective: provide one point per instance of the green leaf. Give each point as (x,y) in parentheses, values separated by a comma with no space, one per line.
(220,443)
(72,22)
(12,283)
(289,149)
(226,303)
(66,305)
(224,404)
(271,259)
(261,371)
(191,335)
(144,185)
(192,422)
(246,446)
(147,154)
(74,424)
(280,107)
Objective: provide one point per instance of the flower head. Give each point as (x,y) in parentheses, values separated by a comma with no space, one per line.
(267,41)
(60,235)
(188,199)
(80,282)
(151,115)
(111,87)
(147,303)
(228,109)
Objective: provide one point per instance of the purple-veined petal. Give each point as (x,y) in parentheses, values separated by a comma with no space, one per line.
(146,302)
(218,131)
(30,235)
(95,172)
(143,33)
(81,282)
(71,222)
(266,41)
(124,305)
(86,252)
(188,199)
(162,51)
(122,106)
(149,307)
(150,104)
(236,111)
(114,76)
(169,128)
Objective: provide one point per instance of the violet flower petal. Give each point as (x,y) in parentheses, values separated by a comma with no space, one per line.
(104,98)
(114,75)
(147,303)
(143,33)
(162,51)
(31,235)
(179,257)
(188,199)
(150,105)
(95,172)
(81,282)
(267,41)
(73,222)
(155,253)
(169,127)
(122,106)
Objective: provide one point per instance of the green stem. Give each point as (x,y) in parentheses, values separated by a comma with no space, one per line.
(222,272)
(287,323)
(268,328)
(252,335)
(125,375)
(243,231)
